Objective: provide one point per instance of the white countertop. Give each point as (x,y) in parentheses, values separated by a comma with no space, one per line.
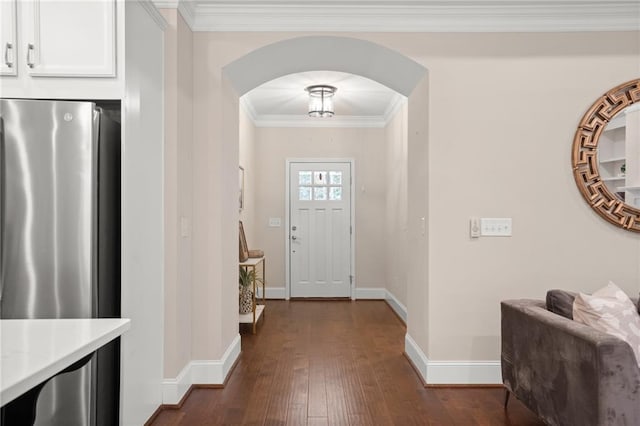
(33,350)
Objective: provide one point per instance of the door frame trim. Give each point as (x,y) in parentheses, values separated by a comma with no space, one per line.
(352,261)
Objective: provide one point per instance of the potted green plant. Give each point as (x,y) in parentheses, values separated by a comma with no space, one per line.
(246,278)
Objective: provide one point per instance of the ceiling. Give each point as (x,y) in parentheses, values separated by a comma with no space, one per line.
(358,101)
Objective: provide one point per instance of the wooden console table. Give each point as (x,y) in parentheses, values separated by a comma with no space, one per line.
(258,309)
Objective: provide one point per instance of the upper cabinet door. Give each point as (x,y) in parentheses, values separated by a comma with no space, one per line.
(69,38)
(8,38)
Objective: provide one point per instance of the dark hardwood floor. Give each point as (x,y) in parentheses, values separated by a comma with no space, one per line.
(336,363)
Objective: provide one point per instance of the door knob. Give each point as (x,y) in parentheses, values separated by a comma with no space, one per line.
(293,237)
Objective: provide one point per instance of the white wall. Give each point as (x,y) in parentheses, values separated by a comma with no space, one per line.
(367,147)
(395,246)
(142,217)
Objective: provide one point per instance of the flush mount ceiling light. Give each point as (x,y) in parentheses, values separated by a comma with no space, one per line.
(321,100)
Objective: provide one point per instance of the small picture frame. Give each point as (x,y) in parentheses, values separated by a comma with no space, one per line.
(244,249)
(241,186)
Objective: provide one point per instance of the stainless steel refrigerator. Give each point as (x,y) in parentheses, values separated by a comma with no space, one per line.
(60,243)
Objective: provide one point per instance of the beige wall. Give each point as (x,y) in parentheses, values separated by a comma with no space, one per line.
(247,136)
(497,115)
(367,147)
(395,246)
(503,111)
(418,216)
(178,192)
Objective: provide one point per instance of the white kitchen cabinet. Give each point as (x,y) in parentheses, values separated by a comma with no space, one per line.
(62,49)
(8,39)
(54,38)
(68,38)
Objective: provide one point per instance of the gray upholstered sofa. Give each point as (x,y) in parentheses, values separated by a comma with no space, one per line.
(567,373)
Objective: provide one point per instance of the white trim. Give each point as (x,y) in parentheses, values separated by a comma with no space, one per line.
(273,292)
(411,16)
(464,373)
(354,183)
(371,293)
(395,304)
(339,121)
(201,372)
(186,9)
(352,163)
(394,106)
(174,389)
(248,108)
(358,121)
(166,4)
(452,372)
(416,356)
(287,227)
(155,14)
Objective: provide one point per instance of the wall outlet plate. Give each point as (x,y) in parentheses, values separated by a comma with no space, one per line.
(275,222)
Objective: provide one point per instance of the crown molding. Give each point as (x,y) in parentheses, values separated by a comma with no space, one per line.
(186,9)
(282,120)
(154,13)
(393,108)
(409,16)
(306,121)
(248,108)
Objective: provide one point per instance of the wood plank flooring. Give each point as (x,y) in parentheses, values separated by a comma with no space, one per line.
(336,363)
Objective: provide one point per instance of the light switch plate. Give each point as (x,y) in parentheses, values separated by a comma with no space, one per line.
(496,226)
(474,227)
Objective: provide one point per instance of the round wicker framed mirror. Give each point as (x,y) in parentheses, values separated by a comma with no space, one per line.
(606,156)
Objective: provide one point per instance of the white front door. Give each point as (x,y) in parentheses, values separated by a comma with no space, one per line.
(320,229)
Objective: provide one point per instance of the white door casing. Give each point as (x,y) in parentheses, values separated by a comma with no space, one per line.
(319,228)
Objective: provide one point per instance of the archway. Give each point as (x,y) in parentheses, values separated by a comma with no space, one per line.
(375,62)
(312,53)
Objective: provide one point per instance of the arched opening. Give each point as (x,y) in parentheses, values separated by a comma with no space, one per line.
(312,53)
(377,63)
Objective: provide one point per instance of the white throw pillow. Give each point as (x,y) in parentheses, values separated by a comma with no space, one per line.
(610,310)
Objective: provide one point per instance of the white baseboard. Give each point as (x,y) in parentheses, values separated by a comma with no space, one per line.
(452,372)
(370,293)
(174,389)
(273,292)
(395,304)
(201,372)
(464,373)
(416,356)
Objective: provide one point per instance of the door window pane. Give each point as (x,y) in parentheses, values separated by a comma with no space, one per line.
(335,193)
(304,193)
(320,193)
(335,178)
(304,178)
(320,178)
